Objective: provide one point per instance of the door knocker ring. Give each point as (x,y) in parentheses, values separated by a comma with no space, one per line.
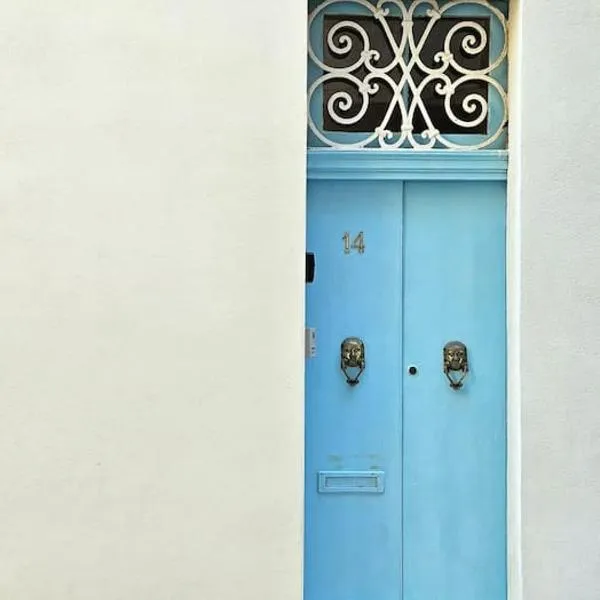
(456,364)
(352,360)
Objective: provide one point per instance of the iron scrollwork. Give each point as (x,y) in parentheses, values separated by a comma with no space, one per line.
(402,69)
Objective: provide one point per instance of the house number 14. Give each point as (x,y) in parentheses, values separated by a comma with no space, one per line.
(357,244)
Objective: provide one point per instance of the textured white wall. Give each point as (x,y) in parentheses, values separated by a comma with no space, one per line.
(560,301)
(151,286)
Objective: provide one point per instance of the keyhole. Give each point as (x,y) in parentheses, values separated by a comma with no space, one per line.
(412,370)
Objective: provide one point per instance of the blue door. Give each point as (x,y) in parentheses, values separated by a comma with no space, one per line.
(405,390)
(354,433)
(405,475)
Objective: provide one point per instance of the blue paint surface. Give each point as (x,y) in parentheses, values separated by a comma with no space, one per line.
(354,428)
(433,270)
(407,165)
(454,441)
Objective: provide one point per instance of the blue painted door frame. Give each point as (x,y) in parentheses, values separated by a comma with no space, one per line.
(406,477)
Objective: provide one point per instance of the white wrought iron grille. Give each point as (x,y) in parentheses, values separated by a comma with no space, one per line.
(416,74)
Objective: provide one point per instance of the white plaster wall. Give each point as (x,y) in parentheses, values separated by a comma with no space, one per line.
(560,299)
(151,286)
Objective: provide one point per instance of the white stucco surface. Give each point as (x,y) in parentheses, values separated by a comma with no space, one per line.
(560,300)
(151,289)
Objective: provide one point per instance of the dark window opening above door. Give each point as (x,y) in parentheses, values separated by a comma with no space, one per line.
(461,45)
(408,74)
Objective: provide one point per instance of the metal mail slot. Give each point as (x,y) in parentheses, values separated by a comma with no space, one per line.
(351,482)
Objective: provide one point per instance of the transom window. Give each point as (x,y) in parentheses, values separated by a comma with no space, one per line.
(413,74)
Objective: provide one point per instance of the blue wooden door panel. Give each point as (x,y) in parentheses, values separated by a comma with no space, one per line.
(405,477)
(454,441)
(353,539)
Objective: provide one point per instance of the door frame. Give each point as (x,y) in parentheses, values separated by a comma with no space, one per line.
(513,305)
(327,163)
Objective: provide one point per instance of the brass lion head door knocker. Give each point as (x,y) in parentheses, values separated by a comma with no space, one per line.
(352,359)
(456,363)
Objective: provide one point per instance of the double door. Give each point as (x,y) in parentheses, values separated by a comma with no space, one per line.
(406,436)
